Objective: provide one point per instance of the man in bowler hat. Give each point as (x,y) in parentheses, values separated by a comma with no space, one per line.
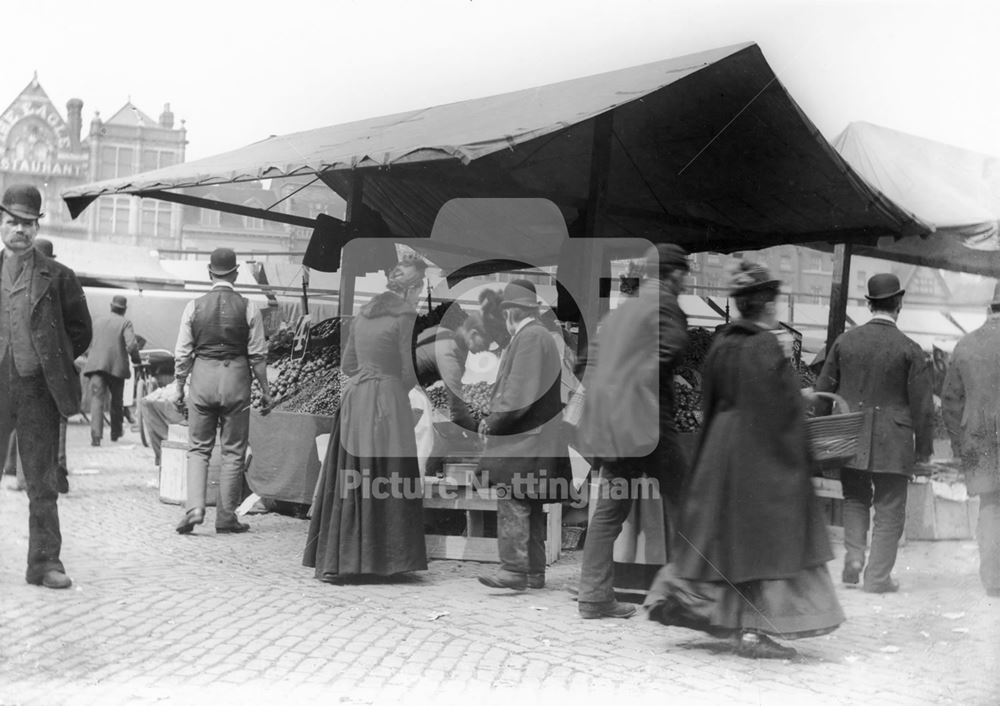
(526,457)
(219,345)
(627,424)
(970,405)
(108,368)
(44,326)
(876,366)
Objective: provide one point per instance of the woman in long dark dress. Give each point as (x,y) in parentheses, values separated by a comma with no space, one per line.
(749,559)
(369,518)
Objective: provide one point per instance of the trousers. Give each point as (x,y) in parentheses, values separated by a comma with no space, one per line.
(520,537)
(218,402)
(988,537)
(886,492)
(101,385)
(29,409)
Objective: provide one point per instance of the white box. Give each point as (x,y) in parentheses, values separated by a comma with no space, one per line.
(173,473)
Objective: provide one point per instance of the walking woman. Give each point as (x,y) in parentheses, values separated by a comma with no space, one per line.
(749,559)
(368,520)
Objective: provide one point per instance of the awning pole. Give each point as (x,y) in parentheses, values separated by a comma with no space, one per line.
(593,229)
(345,303)
(839,289)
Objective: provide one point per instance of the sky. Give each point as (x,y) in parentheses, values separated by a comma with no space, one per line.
(237,72)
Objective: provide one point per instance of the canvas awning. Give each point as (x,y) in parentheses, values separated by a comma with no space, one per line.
(956,191)
(113,265)
(707,150)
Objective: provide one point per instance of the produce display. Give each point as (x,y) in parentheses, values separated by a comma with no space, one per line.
(476,395)
(310,383)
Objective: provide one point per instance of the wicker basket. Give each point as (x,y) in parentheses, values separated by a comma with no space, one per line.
(836,438)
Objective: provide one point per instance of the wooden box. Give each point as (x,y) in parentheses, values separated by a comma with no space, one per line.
(442,494)
(937,510)
(173,473)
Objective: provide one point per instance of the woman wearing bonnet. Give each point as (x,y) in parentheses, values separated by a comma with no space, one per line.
(368,519)
(749,558)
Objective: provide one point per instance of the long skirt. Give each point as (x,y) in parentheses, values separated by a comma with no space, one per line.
(369,517)
(804,605)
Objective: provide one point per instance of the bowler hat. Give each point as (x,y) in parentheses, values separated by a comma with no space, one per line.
(222,262)
(23,201)
(45,246)
(751,277)
(882,286)
(519,292)
(119,302)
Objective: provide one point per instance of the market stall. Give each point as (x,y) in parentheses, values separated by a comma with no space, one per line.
(707,150)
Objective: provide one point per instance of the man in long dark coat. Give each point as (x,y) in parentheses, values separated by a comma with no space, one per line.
(44,326)
(627,419)
(526,456)
(970,402)
(876,366)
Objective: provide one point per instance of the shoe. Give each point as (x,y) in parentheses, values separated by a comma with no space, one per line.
(498,581)
(115,437)
(611,609)
(95,442)
(62,480)
(756,646)
(852,572)
(235,528)
(891,586)
(536,580)
(194,516)
(53,578)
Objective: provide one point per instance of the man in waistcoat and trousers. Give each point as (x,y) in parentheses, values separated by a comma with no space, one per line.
(876,366)
(526,457)
(219,345)
(627,425)
(108,368)
(970,405)
(44,326)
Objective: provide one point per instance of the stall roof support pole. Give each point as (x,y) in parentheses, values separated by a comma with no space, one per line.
(348,274)
(594,218)
(839,289)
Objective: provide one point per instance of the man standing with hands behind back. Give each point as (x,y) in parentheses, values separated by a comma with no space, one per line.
(44,326)
(876,366)
(221,340)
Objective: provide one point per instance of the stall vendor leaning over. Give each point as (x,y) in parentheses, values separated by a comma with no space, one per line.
(441,353)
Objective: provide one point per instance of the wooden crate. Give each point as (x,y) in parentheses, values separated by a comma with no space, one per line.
(931,516)
(440,494)
(173,473)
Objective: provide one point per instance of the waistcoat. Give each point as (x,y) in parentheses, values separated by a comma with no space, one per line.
(219,327)
(15,318)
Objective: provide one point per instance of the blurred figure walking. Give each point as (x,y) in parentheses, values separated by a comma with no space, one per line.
(108,368)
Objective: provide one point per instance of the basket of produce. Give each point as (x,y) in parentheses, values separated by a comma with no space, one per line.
(837,438)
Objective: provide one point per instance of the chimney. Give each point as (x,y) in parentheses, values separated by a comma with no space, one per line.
(74,121)
(166,117)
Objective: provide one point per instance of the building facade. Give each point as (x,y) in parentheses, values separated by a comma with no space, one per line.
(38,145)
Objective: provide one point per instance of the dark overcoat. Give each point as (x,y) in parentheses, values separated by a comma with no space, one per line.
(526,447)
(749,511)
(877,366)
(60,328)
(628,411)
(970,404)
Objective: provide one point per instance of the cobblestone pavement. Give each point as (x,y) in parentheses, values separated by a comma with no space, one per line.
(155,617)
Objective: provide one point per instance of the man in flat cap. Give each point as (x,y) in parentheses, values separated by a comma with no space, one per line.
(108,368)
(219,345)
(876,366)
(627,426)
(526,456)
(44,326)
(970,405)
